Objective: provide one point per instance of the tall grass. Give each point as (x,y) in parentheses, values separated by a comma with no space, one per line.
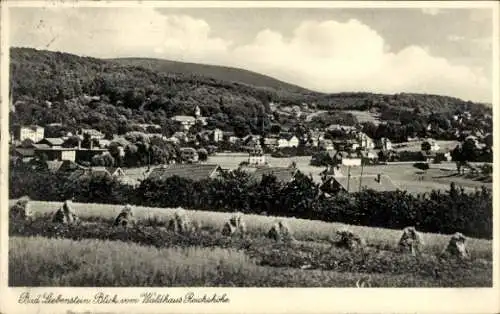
(304,230)
(37,261)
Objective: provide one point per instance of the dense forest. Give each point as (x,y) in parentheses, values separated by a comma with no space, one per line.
(50,87)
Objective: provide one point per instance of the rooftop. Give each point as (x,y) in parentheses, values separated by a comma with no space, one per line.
(184,118)
(368,182)
(195,172)
(54,141)
(282,174)
(33,127)
(47,148)
(108,170)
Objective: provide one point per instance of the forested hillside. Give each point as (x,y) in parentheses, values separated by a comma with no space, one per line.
(216,72)
(50,87)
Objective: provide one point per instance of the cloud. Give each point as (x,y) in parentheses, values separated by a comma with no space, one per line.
(332,57)
(431,11)
(118,33)
(455,38)
(327,56)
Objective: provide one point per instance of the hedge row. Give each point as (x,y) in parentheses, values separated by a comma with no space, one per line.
(442,212)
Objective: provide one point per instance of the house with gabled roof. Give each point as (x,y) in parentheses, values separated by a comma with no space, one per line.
(55,152)
(115,172)
(54,142)
(54,165)
(271,142)
(32,132)
(189,154)
(186,122)
(195,172)
(282,174)
(93,133)
(112,171)
(288,140)
(354,184)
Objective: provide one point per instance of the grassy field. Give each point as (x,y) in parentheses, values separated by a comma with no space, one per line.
(365,116)
(304,230)
(417,146)
(403,175)
(251,262)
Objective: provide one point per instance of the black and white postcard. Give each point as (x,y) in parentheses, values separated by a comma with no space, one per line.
(230,157)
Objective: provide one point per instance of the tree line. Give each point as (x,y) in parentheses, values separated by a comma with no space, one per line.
(439,211)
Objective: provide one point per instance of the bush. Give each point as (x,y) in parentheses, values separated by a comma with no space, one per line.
(421,165)
(486,169)
(410,156)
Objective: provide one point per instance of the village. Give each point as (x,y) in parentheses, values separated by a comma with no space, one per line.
(177,147)
(206,153)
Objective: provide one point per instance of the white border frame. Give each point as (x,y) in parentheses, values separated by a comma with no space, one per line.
(253,300)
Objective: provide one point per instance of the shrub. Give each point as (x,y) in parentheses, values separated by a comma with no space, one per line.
(421,165)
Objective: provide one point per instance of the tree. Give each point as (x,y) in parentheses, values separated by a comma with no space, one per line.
(107,160)
(275,128)
(488,140)
(426,146)
(86,140)
(202,154)
(97,160)
(458,156)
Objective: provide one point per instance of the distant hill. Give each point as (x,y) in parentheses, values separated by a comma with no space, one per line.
(150,91)
(213,71)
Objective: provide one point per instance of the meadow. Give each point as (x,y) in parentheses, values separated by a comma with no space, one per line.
(318,232)
(37,261)
(404,175)
(42,253)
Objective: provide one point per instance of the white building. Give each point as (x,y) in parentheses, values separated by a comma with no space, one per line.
(288,141)
(218,135)
(34,133)
(256,156)
(365,141)
(186,122)
(385,144)
(189,154)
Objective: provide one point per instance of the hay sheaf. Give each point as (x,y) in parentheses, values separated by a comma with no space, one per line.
(181,224)
(457,247)
(411,241)
(349,240)
(21,209)
(66,215)
(280,231)
(125,218)
(235,226)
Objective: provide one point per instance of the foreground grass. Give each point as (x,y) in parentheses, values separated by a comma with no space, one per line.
(264,252)
(304,230)
(38,261)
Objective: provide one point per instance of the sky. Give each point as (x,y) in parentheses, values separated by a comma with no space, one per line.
(382,50)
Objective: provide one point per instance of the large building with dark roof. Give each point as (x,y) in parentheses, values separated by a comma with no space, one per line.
(195,172)
(282,174)
(354,184)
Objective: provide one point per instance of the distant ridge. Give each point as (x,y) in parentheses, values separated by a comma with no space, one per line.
(223,73)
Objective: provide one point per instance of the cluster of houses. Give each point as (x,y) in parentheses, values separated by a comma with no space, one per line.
(333,180)
(30,142)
